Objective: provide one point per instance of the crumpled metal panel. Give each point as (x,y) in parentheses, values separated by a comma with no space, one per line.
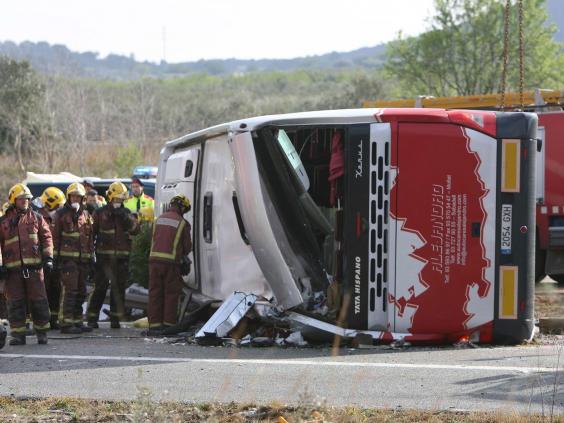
(228,315)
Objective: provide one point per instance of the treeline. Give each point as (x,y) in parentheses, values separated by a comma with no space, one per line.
(102,127)
(59,60)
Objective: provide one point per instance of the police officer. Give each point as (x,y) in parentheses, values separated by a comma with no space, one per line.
(52,199)
(27,250)
(168,262)
(113,226)
(138,199)
(74,250)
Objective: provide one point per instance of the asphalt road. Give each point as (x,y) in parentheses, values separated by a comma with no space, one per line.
(119,364)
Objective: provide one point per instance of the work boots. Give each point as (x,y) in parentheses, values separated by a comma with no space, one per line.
(71,330)
(54,323)
(154,331)
(17,339)
(83,328)
(42,338)
(93,324)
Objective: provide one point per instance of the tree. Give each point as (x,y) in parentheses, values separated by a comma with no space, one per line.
(21,107)
(462,53)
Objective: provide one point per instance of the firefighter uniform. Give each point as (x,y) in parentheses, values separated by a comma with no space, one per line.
(74,250)
(113,228)
(52,199)
(170,245)
(27,246)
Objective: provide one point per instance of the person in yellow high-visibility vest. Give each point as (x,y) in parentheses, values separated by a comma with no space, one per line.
(138,199)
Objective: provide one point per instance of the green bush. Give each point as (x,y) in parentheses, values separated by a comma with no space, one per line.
(139,259)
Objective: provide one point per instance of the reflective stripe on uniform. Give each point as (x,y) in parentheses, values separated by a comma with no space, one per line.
(107,231)
(172,255)
(46,326)
(112,252)
(12,264)
(11,240)
(71,234)
(33,236)
(74,254)
(26,261)
(168,222)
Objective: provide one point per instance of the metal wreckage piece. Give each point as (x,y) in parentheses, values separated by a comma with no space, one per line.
(227,316)
(239,304)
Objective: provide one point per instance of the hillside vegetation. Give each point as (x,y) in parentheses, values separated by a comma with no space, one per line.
(65,111)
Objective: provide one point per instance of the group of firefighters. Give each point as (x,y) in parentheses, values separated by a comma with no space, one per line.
(48,253)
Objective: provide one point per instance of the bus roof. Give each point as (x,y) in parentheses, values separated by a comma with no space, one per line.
(324,117)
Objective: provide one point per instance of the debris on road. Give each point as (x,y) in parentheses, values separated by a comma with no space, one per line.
(227,316)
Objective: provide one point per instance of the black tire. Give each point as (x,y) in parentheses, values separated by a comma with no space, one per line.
(540,259)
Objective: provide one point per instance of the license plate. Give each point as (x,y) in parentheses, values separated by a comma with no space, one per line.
(506,222)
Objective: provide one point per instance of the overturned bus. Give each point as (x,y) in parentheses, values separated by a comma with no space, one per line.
(414,224)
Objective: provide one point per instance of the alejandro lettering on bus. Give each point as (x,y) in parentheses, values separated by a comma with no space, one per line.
(437,226)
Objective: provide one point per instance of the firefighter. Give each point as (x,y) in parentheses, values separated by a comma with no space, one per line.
(89,186)
(52,199)
(168,262)
(27,251)
(74,250)
(92,201)
(138,199)
(113,227)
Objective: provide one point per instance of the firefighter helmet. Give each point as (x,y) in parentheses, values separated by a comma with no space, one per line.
(52,198)
(19,191)
(181,201)
(76,188)
(117,190)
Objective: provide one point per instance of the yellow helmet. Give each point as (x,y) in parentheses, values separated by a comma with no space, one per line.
(117,190)
(18,191)
(181,201)
(52,198)
(76,188)
(146,214)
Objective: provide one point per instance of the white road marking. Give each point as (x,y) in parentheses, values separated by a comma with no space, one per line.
(297,362)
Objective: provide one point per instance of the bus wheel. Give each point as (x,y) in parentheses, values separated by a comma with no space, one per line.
(540,259)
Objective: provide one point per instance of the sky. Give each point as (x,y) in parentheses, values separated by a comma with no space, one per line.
(190,30)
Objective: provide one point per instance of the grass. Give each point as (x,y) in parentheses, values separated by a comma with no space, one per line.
(145,410)
(549,301)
